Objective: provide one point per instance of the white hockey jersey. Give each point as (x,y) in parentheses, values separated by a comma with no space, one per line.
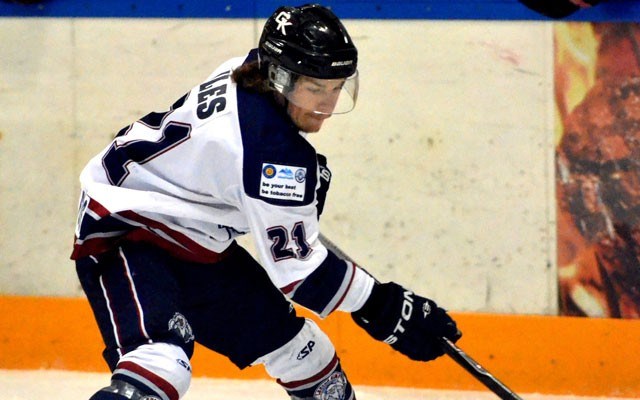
(221,162)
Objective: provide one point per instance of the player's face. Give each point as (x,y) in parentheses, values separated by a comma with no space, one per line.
(312,101)
(306,120)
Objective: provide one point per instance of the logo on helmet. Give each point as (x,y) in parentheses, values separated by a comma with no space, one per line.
(283,21)
(272,47)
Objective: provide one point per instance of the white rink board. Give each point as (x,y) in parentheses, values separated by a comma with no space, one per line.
(442,175)
(48,384)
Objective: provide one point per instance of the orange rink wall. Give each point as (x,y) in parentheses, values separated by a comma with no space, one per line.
(530,354)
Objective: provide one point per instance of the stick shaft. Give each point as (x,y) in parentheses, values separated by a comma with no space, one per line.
(453,351)
(477,370)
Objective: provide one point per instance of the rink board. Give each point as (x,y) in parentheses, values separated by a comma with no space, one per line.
(531,354)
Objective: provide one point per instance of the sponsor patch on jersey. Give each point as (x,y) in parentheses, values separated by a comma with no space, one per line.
(283,182)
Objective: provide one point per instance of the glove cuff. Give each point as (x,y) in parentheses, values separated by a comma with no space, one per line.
(374,305)
(378,315)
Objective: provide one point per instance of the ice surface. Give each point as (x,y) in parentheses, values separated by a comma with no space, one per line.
(52,384)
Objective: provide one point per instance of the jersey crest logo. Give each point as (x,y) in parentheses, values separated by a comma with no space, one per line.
(283,21)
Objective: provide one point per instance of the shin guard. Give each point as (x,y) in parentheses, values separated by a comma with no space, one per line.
(307,367)
(329,384)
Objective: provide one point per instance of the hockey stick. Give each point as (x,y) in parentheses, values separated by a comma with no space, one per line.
(450,348)
(477,370)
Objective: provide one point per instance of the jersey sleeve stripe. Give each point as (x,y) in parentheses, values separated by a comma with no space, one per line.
(342,292)
(323,290)
(290,288)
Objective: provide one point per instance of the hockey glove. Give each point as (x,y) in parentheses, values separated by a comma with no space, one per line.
(411,324)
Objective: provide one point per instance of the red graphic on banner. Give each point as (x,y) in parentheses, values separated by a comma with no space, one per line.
(597,75)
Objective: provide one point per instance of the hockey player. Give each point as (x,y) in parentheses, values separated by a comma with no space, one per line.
(162,205)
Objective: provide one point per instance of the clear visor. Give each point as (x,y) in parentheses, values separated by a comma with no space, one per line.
(320,96)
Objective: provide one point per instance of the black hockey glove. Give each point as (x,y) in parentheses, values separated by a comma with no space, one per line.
(411,324)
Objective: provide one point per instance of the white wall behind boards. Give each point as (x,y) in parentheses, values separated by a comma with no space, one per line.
(442,175)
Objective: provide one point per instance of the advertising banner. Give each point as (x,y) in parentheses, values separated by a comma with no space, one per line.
(597,90)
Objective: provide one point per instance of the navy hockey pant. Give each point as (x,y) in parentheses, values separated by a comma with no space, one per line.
(231,307)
